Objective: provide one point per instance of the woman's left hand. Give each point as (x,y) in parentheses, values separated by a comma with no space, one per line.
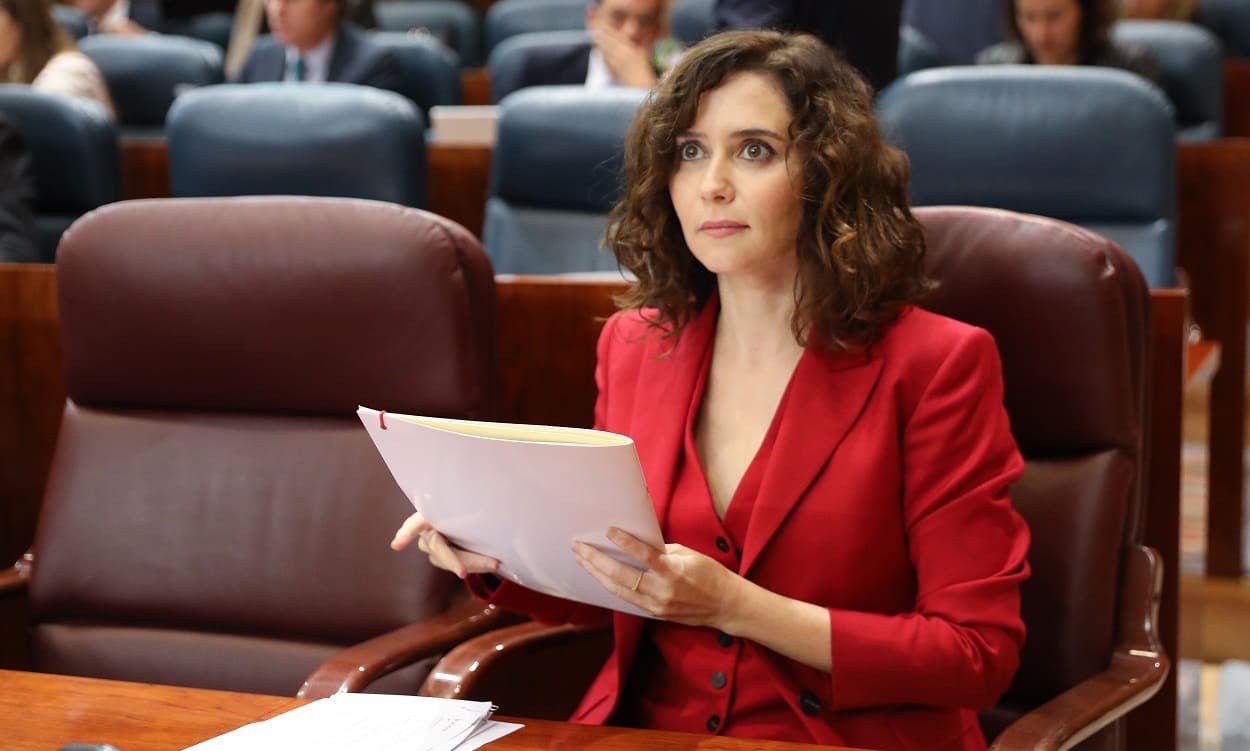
(679,584)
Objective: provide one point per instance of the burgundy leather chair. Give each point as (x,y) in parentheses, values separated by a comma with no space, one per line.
(215,515)
(1069,311)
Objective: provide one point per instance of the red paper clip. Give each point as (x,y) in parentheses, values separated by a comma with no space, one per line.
(382,419)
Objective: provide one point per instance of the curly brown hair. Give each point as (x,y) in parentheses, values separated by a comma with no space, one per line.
(860,250)
(42,38)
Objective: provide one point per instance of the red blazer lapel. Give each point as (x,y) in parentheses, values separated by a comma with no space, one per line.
(659,424)
(827,395)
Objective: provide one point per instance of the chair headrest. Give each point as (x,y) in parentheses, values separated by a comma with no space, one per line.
(1054,296)
(145,73)
(1190,65)
(276,304)
(73,147)
(1230,20)
(507,19)
(561,147)
(429,69)
(1071,142)
(450,21)
(332,139)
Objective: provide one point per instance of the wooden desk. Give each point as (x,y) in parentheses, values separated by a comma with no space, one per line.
(41,712)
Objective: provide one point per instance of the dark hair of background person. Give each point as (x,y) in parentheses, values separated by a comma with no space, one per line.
(42,36)
(1097,18)
(860,249)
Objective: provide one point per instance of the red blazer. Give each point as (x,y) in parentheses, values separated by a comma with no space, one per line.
(886,502)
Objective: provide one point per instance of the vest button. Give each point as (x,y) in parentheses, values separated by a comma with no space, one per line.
(724,639)
(713,723)
(809,703)
(719,680)
(722,544)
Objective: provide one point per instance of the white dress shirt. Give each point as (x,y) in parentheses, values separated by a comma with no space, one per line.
(316,62)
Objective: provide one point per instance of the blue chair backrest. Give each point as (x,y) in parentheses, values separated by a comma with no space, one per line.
(1191,63)
(429,70)
(512,62)
(146,73)
(958,29)
(1230,20)
(71,19)
(916,51)
(555,174)
(1092,146)
(210,27)
(453,23)
(331,139)
(73,153)
(511,17)
(692,20)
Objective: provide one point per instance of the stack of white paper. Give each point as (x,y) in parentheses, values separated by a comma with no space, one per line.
(370,722)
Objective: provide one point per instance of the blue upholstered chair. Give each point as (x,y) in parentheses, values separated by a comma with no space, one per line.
(451,22)
(691,20)
(429,70)
(73,148)
(1191,71)
(916,51)
(209,27)
(71,19)
(512,62)
(1093,146)
(145,73)
(511,17)
(555,175)
(1230,20)
(324,140)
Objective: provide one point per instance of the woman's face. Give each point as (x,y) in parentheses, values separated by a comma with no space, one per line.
(10,39)
(734,191)
(1051,30)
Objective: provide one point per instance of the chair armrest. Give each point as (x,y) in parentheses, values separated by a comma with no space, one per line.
(356,667)
(1136,673)
(15,578)
(556,665)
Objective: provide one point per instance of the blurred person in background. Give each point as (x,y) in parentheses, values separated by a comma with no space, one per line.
(1066,32)
(120,16)
(35,50)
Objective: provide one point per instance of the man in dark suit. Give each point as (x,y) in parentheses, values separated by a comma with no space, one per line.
(312,41)
(17,198)
(866,33)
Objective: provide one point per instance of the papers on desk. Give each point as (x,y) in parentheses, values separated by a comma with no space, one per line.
(370,722)
(522,494)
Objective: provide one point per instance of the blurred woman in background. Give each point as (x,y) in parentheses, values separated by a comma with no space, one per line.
(35,50)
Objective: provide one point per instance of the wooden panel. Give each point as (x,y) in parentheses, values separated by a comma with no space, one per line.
(475,86)
(1213,244)
(1237,97)
(42,712)
(1152,725)
(32,392)
(548,327)
(459,177)
(145,168)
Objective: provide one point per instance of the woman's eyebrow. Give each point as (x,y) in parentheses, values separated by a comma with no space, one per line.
(743,133)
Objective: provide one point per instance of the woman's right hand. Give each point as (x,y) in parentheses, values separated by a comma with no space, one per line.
(442,553)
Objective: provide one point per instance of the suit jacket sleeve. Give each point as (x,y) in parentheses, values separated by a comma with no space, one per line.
(960,646)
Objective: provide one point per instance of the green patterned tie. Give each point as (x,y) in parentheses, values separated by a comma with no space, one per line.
(297,68)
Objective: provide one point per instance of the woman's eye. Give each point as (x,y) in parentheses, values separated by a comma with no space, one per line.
(689,151)
(756,151)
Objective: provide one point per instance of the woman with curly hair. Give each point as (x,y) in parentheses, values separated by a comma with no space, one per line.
(1066,32)
(36,51)
(830,464)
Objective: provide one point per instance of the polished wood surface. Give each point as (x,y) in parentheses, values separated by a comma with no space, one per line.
(41,712)
(1213,247)
(1236,97)
(145,168)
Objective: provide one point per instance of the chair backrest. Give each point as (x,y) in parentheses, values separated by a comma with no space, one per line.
(451,22)
(555,173)
(73,154)
(958,29)
(71,19)
(1070,314)
(146,73)
(691,20)
(215,514)
(1191,62)
(916,51)
(511,17)
(1230,20)
(537,59)
(429,70)
(1093,146)
(271,138)
(210,27)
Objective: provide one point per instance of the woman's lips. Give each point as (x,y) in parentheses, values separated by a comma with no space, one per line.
(720,229)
